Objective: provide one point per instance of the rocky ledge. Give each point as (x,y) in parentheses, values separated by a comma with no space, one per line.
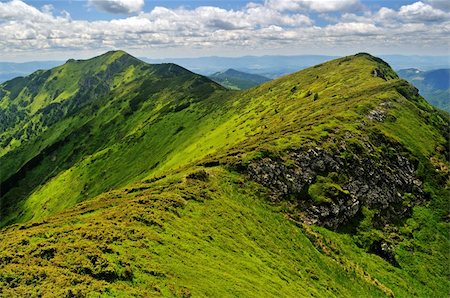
(330,188)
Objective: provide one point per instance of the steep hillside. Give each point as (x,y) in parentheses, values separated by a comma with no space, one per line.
(237,80)
(332,181)
(434,85)
(73,124)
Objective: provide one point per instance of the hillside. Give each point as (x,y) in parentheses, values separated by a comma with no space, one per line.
(63,125)
(237,80)
(434,85)
(140,180)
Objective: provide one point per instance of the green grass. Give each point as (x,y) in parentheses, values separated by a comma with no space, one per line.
(324,190)
(212,237)
(155,138)
(110,206)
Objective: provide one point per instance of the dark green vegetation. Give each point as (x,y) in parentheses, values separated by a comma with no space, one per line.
(434,85)
(121,178)
(237,80)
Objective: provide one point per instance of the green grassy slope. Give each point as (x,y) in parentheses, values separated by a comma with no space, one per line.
(181,236)
(89,135)
(217,233)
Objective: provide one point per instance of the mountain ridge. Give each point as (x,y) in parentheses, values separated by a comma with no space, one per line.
(89,93)
(331,181)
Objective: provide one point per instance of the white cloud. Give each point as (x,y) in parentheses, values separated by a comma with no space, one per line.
(352,29)
(417,12)
(315,5)
(17,10)
(421,12)
(440,4)
(117,6)
(47,8)
(26,29)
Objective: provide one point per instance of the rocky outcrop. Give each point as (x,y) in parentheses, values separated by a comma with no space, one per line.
(330,188)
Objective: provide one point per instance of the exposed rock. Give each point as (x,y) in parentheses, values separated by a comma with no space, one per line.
(201,175)
(377,73)
(385,250)
(377,115)
(378,183)
(380,113)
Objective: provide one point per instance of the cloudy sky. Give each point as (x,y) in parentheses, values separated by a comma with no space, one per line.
(41,29)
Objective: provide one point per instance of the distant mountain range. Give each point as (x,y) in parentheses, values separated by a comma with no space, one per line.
(434,85)
(276,66)
(11,70)
(237,80)
(267,66)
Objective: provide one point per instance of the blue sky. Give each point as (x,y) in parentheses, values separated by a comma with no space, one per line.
(80,10)
(40,29)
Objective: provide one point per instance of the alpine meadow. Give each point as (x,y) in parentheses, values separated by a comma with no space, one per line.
(122,178)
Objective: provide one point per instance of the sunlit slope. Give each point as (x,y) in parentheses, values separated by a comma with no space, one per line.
(190,189)
(167,117)
(344,99)
(194,234)
(53,148)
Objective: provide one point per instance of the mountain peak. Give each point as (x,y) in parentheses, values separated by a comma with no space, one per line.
(380,69)
(374,59)
(107,57)
(117,54)
(231,71)
(235,79)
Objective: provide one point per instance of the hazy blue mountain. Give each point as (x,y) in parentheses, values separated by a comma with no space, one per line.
(434,85)
(421,62)
(10,70)
(268,66)
(237,80)
(276,66)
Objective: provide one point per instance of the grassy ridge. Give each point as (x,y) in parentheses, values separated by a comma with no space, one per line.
(159,136)
(77,146)
(161,225)
(200,234)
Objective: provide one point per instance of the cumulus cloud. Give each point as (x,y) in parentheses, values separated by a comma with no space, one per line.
(117,6)
(315,5)
(352,29)
(421,12)
(440,4)
(24,28)
(417,12)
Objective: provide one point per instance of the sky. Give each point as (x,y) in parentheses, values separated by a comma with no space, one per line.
(58,30)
